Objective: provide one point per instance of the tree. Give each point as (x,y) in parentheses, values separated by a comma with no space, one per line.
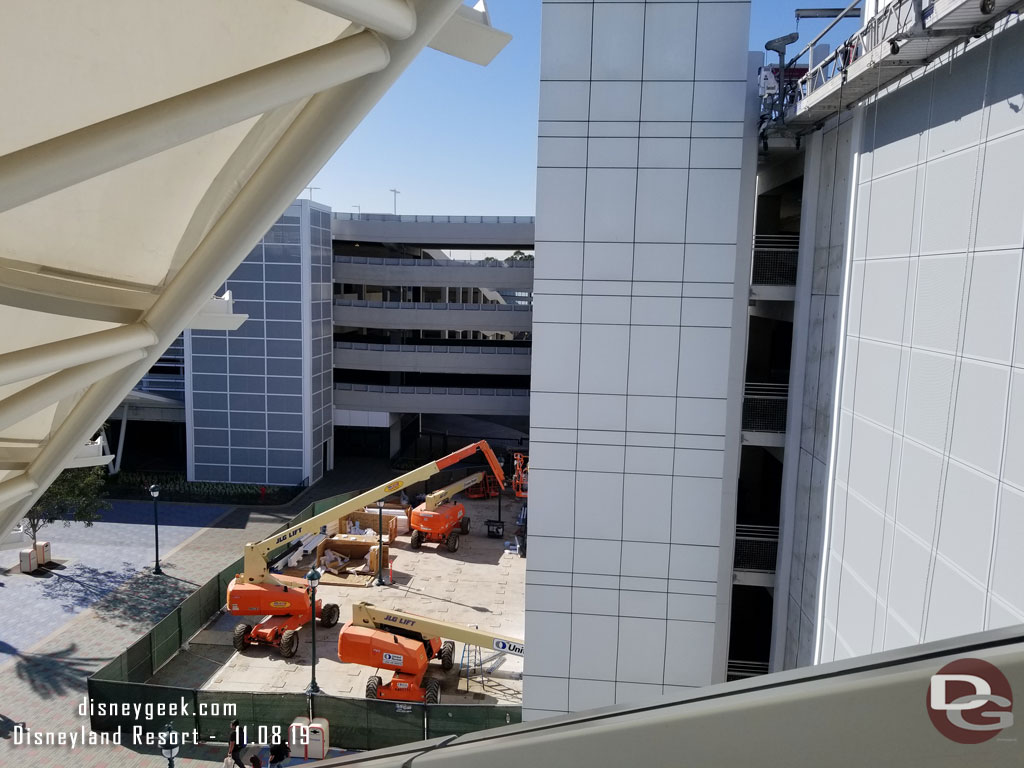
(520,256)
(75,496)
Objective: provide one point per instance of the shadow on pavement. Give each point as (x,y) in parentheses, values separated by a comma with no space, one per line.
(142,601)
(82,585)
(56,674)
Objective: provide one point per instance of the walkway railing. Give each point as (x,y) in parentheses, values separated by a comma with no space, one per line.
(440,306)
(427,263)
(457,391)
(433,219)
(440,349)
(736,669)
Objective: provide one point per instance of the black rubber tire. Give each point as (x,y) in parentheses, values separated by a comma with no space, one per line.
(329,615)
(240,640)
(372,686)
(452,542)
(447,655)
(433,694)
(464,526)
(416,540)
(289,643)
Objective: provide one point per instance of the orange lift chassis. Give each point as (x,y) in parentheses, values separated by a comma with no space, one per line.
(406,643)
(283,602)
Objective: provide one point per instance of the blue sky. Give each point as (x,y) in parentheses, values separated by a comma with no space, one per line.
(456,138)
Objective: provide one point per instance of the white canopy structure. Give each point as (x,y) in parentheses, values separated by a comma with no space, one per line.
(147,147)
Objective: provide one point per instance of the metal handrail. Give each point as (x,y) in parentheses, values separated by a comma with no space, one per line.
(396,261)
(410,390)
(438,305)
(776,241)
(431,348)
(765,389)
(876,31)
(770,532)
(823,32)
(428,219)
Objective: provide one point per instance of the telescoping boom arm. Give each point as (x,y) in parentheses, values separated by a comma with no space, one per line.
(368,615)
(256,570)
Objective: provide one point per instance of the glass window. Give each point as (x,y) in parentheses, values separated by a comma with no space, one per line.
(248,438)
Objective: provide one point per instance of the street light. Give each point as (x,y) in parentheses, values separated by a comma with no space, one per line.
(380,544)
(168,744)
(313,578)
(154,491)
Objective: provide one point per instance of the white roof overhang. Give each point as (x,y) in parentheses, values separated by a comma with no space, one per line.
(147,147)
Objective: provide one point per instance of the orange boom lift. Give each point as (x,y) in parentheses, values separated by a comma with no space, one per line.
(439,518)
(406,643)
(283,602)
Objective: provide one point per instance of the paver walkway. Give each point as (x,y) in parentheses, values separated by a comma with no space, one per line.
(89,563)
(44,685)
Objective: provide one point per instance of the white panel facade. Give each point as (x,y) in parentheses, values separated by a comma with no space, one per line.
(928,495)
(636,374)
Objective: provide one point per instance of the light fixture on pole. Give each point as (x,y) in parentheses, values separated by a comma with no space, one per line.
(169,744)
(154,491)
(359,211)
(380,544)
(395,193)
(313,578)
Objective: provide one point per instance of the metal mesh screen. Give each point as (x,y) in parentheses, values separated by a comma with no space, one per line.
(764,414)
(774,266)
(755,554)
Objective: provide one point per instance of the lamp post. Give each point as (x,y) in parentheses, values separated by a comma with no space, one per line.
(380,544)
(168,745)
(154,491)
(313,578)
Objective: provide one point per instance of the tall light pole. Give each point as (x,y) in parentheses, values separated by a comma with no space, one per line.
(395,193)
(154,491)
(380,544)
(313,578)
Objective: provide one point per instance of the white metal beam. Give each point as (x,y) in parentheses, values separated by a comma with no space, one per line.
(52,165)
(393,18)
(47,358)
(35,397)
(16,488)
(312,139)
